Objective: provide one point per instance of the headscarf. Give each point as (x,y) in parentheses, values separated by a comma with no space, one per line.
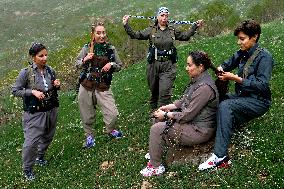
(162,10)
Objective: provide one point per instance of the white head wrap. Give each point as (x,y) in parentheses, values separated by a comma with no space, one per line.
(162,10)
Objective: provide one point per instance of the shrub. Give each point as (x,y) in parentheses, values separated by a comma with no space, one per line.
(267,10)
(218,17)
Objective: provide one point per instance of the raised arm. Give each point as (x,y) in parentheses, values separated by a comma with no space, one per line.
(141,34)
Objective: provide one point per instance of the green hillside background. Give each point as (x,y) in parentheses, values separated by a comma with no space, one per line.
(64,27)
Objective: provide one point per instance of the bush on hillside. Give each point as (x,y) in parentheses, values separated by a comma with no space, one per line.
(218,16)
(129,50)
(267,11)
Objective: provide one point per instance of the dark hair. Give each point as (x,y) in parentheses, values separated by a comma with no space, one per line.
(36,48)
(200,57)
(156,22)
(250,28)
(95,24)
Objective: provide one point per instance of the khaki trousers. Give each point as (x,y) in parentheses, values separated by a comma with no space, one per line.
(88,100)
(184,135)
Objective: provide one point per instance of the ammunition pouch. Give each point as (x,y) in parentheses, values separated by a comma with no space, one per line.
(151,54)
(82,76)
(32,104)
(174,56)
(95,80)
(164,55)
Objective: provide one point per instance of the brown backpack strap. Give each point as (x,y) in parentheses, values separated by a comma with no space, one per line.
(250,61)
(172,30)
(153,35)
(31,76)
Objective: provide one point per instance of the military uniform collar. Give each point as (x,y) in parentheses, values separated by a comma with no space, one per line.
(167,27)
(244,55)
(34,66)
(201,76)
(251,50)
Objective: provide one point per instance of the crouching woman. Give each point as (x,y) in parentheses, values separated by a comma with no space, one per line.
(188,121)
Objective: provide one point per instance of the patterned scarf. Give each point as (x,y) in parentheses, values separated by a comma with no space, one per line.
(100,49)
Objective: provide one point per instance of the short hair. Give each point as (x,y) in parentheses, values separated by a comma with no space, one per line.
(96,24)
(36,48)
(201,57)
(250,28)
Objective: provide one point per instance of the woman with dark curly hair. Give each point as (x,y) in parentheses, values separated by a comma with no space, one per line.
(188,121)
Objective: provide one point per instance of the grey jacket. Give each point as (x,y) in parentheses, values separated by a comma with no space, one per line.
(199,103)
(23,87)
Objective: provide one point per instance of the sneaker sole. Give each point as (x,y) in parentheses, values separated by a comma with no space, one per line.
(41,165)
(225,163)
(152,175)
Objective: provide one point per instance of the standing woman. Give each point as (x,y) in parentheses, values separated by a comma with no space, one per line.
(188,121)
(162,55)
(37,85)
(98,60)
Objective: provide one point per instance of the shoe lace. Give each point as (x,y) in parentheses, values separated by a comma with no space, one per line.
(29,174)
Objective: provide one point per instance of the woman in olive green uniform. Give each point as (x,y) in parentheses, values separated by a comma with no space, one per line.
(162,56)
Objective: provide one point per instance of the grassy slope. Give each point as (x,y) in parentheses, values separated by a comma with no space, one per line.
(257,155)
(54,23)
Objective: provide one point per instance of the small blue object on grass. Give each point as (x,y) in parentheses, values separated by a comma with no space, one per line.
(115,134)
(89,143)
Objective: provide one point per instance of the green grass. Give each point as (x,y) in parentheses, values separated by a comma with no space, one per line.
(257,150)
(59,24)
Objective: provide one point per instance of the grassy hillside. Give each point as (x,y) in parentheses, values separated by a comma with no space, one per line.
(58,24)
(257,150)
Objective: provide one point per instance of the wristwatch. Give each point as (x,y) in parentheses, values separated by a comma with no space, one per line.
(166,116)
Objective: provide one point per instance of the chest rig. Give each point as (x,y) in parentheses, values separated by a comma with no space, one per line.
(161,54)
(92,76)
(31,103)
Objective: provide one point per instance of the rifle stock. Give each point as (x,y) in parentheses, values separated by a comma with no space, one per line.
(92,42)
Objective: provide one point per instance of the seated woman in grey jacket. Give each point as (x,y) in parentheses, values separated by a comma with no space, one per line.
(195,121)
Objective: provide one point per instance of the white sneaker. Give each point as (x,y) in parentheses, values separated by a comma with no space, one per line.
(214,161)
(149,170)
(147,156)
